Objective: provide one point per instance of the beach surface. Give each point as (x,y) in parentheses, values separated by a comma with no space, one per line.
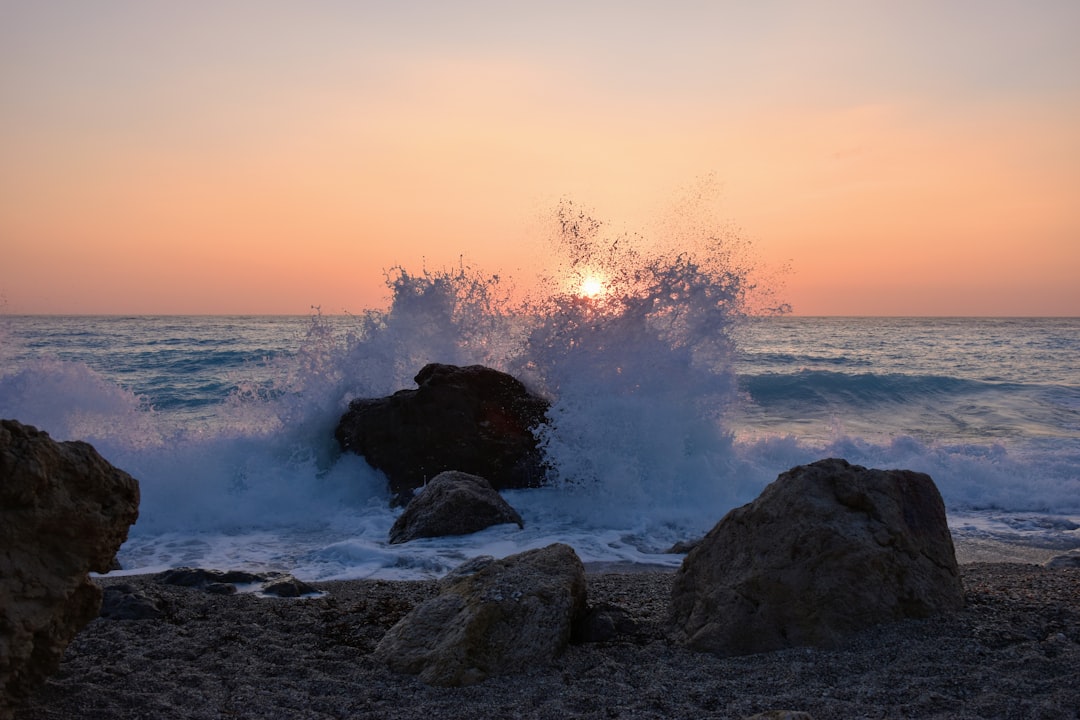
(1012,652)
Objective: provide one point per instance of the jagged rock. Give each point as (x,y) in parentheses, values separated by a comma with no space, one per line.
(64,512)
(491,617)
(453,503)
(826,550)
(473,419)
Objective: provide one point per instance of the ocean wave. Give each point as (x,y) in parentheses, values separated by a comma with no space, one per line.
(861,388)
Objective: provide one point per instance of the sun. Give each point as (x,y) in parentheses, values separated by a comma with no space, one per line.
(591,287)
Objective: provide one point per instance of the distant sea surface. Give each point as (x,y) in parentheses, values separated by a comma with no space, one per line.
(227,422)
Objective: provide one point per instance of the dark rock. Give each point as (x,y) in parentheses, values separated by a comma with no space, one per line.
(473,419)
(124,602)
(491,617)
(203,578)
(682,547)
(64,512)
(218,582)
(219,588)
(288,587)
(603,622)
(825,551)
(453,503)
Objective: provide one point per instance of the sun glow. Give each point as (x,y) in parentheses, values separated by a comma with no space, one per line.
(591,287)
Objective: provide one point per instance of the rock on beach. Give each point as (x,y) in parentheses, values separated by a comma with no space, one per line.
(491,617)
(827,550)
(1012,651)
(64,512)
(453,503)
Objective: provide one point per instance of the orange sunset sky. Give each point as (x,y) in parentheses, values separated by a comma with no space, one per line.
(238,156)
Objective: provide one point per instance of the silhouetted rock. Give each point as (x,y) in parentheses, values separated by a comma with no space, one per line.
(491,617)
(453,503)
(64,512)
(826,550)
(472,419)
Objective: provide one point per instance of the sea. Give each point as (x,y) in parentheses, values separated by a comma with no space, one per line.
(671,405)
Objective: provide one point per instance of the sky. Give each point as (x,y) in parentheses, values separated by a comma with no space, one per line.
(881,158)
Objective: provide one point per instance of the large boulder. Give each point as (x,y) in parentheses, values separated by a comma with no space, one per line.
(825,551)
(473,419)
(453,503)
(491,617)
(64,511)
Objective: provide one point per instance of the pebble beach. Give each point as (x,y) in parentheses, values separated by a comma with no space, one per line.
(1012,652)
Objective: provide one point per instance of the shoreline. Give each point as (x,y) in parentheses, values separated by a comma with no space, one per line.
(1012,651)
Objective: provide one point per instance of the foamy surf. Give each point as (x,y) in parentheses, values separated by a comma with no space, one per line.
(670,406)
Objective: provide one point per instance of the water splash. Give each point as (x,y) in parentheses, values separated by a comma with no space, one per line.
(641,374)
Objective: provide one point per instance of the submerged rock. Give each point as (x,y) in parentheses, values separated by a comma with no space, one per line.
(453,503)
(473,419)
(491,617)
(64,512)
(825,551)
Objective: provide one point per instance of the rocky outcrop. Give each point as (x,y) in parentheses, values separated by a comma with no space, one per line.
(491,617)
(826,550)
(64,511)
(453,503)
(473,419)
